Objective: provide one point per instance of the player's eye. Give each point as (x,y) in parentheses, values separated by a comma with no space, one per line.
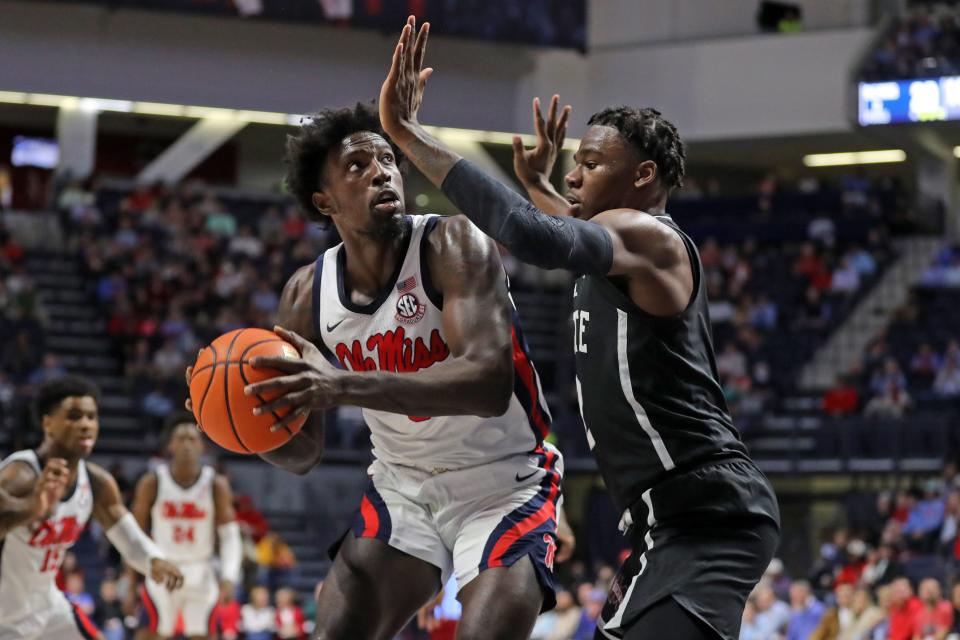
(590,164)
(387,158)
(354,166)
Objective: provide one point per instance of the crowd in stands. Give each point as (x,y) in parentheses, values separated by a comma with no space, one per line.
(922,43)
(891,575)
(915,361)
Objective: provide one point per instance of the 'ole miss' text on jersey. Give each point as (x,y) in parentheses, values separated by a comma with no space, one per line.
(401,331)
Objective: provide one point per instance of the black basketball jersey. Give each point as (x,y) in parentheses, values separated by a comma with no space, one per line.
(648,387)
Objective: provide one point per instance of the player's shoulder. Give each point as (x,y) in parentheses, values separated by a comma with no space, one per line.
(17,478)
(97,474)
(221,482)
(452,236)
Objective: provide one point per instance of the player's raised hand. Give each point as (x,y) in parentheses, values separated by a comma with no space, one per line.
(166,574)
(534,165)
(402,91)
(310,382)
(50,487)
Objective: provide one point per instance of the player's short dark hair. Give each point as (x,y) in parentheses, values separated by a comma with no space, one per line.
(52,392)
(653,136)
(321,133)
(174,420)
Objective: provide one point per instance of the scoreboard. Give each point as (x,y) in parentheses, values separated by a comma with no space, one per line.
(899,101)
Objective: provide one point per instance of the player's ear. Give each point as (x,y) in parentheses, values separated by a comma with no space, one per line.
(323,203)
(646,173)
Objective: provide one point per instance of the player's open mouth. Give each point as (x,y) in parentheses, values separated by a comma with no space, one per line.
(87,442)
(387,202)
(574,205)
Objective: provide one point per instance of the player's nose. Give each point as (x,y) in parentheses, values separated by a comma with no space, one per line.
(572,179)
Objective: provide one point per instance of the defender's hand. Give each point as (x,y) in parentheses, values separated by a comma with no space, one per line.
(533,166)
(49,488)
(311,382)
(166,574)
(402,91)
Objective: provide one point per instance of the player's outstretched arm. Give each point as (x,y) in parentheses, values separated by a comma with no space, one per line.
(530,235)
(125,534)
(474,378)
(26,497)
(304,451)
(228,531)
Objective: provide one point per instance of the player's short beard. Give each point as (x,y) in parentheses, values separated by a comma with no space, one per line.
(388,228)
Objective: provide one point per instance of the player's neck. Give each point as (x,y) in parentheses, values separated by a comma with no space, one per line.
(370,264)
(185,474)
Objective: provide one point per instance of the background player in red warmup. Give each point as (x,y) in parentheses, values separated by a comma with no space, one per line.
(183,503)
(47,496)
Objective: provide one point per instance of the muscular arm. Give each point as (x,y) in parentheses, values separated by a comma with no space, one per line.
(223,501)
(108,506)
(478,378)
(17,503)
(144,495)
(303,451)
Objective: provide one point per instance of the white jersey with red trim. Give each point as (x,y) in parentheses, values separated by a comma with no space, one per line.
(182,519)
(401,332)
(30,555)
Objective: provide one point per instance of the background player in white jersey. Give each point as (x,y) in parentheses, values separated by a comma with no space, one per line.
(415,315)
(46,498)
(182,503)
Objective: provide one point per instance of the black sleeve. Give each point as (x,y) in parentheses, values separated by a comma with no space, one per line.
(548,242)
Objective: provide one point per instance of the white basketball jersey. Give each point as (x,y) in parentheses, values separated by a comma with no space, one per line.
(401,331)
(30,555)
(182,520)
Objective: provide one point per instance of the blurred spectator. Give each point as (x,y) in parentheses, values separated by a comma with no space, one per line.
(108,611)
(226,617)
(853,566)
(864,617)
(846,278)
(903,610)
(891,402)
(258,618)
(947,382)
(591,604)
(806,611)
(732,362)
(76,593)
(748,625)
(841,399)
(561,623)
(925,363)
(955,601)
(935,616)
(289,616)
(838,619)
(772,615)
(275,559)
(49,369)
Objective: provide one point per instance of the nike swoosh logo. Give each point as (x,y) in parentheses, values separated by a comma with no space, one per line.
(331,327)
(527,477)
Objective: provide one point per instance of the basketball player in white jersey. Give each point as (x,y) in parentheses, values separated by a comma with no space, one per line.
(47,496)
(183,503)
(410,319)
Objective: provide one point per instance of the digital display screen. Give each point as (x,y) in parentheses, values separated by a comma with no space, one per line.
(900,101)
(35,152)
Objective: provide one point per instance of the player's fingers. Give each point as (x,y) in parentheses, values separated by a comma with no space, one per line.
(517,147)
(188,405)
(285,421)
(286,365)
(291,399)
(280,384)
(424,76)
(552,116)
(561,132)
(421,47)
(292,337)
(538,125)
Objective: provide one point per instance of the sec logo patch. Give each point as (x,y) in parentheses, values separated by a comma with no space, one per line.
(409,309)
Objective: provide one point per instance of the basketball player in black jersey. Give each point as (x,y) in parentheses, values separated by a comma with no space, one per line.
(703,519)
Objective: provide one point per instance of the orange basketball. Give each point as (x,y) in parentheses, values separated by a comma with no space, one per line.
(223,411)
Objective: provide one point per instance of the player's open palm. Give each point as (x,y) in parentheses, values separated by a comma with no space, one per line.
(50,487)
(533,165)
(402,91)
(166,574)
